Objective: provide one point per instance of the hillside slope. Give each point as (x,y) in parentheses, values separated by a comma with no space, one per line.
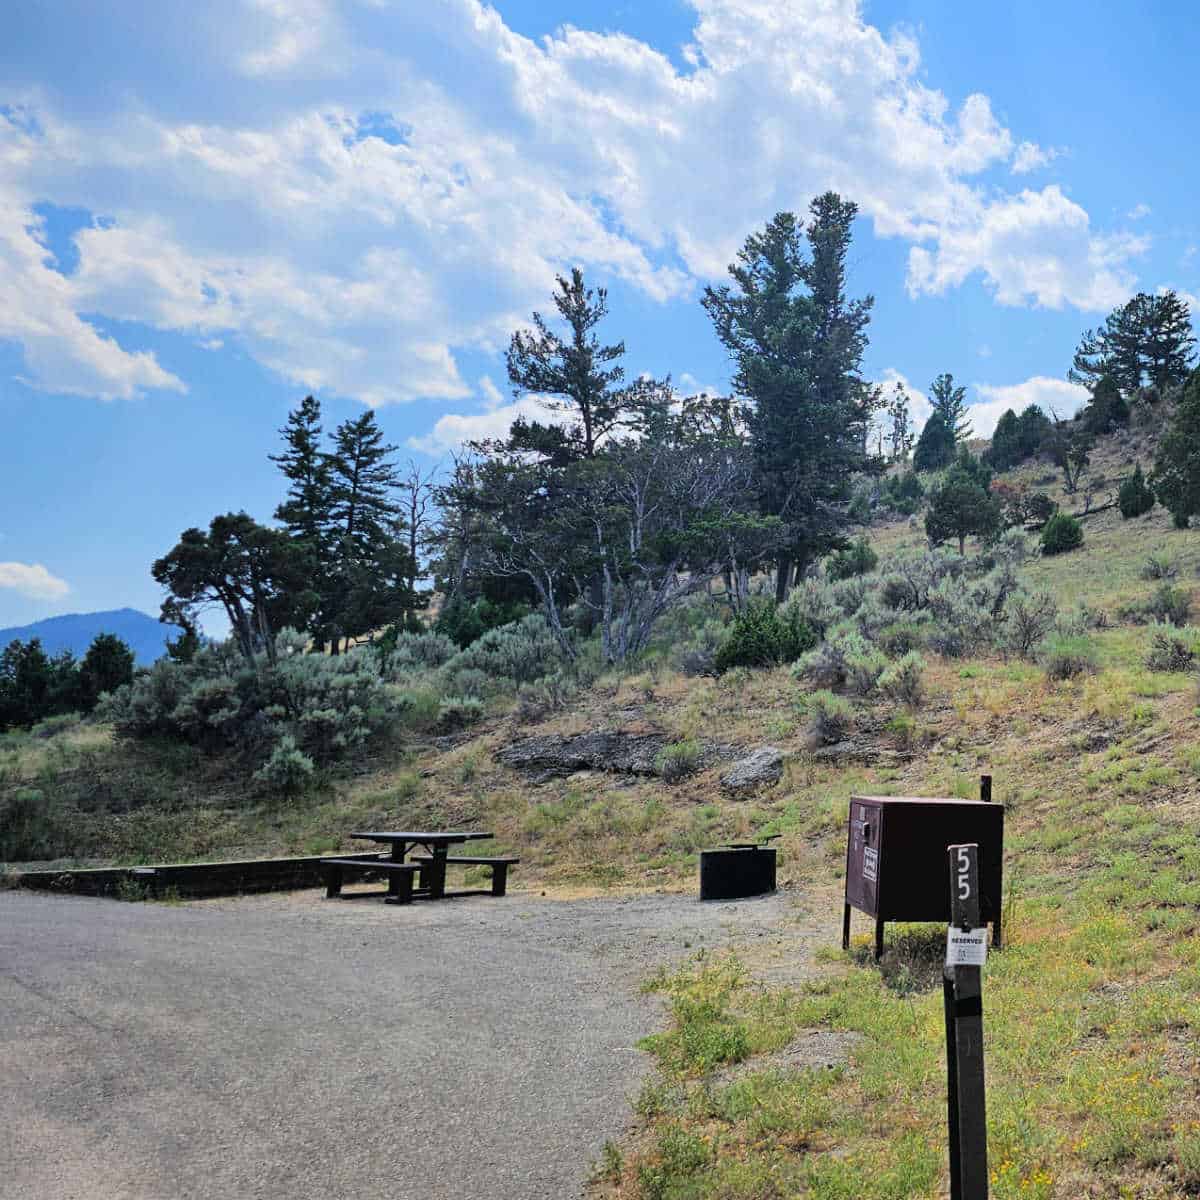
(1092,1009)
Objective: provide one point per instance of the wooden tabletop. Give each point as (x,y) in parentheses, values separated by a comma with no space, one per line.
(442,838)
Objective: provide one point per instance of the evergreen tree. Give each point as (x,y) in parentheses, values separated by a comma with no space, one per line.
(935,446)
(1146,341)
(306,511)
(1035,429)
(26,684)
(1176,476)
(961,508)
(951,402)
(107,665)
(258,576)
(369,562)
(899,429)
(575,377)
(797,343)
(1006,442)
(1135,496)
(1107,410)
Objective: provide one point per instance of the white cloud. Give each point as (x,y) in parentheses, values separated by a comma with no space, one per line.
(1049,394)
(453,430)
(32,580)
(1039,249)
(359,193)
(1030,156)
(1138,212)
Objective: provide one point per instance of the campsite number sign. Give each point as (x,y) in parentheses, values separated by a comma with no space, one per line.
(966,949)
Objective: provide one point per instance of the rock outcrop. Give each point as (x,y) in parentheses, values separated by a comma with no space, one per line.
(760,768)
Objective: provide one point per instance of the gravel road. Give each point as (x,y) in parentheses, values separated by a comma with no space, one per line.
(286,1046)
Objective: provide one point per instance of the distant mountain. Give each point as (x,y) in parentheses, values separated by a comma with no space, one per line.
(145,636)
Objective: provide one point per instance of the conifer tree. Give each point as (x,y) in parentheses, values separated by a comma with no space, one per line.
(1005,450)
(797,343)
(369,568)
(935,446)
(1176,476)
(306,511)
(1147,341)
(899,433)
(951,402)
(575,377)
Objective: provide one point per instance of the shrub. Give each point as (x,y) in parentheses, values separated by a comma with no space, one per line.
(699,655)
(468,681)
(679,760)
(457,712)
(53,726)
(1171,650)
(1135,496)
(904,680)
(964,615)
(830,718)
(909,579)
(902,637)
(1066,657)
(418,652)
(863,671)
(546,695)
(287,771)
(856,559)
(1170,604)
(326,704)
(903,493)
(830,664)
(1027,620)
(466,621)
(763,635)
(1061,533)
(1038,507)
(31,828)
(523,651)
(1162,564)
(815,605)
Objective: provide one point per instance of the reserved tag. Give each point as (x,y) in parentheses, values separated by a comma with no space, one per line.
(966,947)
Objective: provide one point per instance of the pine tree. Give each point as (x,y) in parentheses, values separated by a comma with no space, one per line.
(1107,410)
(575,377)
(899,433)
(1135,497)
(1147,341)
(1035,429)
(107,665)
(306,511)
(1176,476)
(960,508)
(369,566)
(1006,442)
(797,343)
(935,446)
(951,402)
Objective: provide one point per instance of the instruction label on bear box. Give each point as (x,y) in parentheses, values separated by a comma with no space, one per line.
(870,864)
(966,947)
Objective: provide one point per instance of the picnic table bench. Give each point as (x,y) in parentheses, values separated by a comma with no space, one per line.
(429,868)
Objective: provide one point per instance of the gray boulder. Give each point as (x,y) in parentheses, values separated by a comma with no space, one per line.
(760,768)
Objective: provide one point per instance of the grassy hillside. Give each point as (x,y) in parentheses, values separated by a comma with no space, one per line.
(1092,1009)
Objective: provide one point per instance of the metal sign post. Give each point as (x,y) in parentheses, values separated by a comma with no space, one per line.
(966,949)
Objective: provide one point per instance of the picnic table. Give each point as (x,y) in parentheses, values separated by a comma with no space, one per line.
(429,867)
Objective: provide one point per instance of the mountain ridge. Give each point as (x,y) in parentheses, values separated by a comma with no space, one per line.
(145,636)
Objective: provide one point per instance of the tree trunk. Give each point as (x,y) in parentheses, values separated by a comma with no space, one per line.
(783,575)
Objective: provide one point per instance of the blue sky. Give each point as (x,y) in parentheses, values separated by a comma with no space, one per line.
(207,211)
